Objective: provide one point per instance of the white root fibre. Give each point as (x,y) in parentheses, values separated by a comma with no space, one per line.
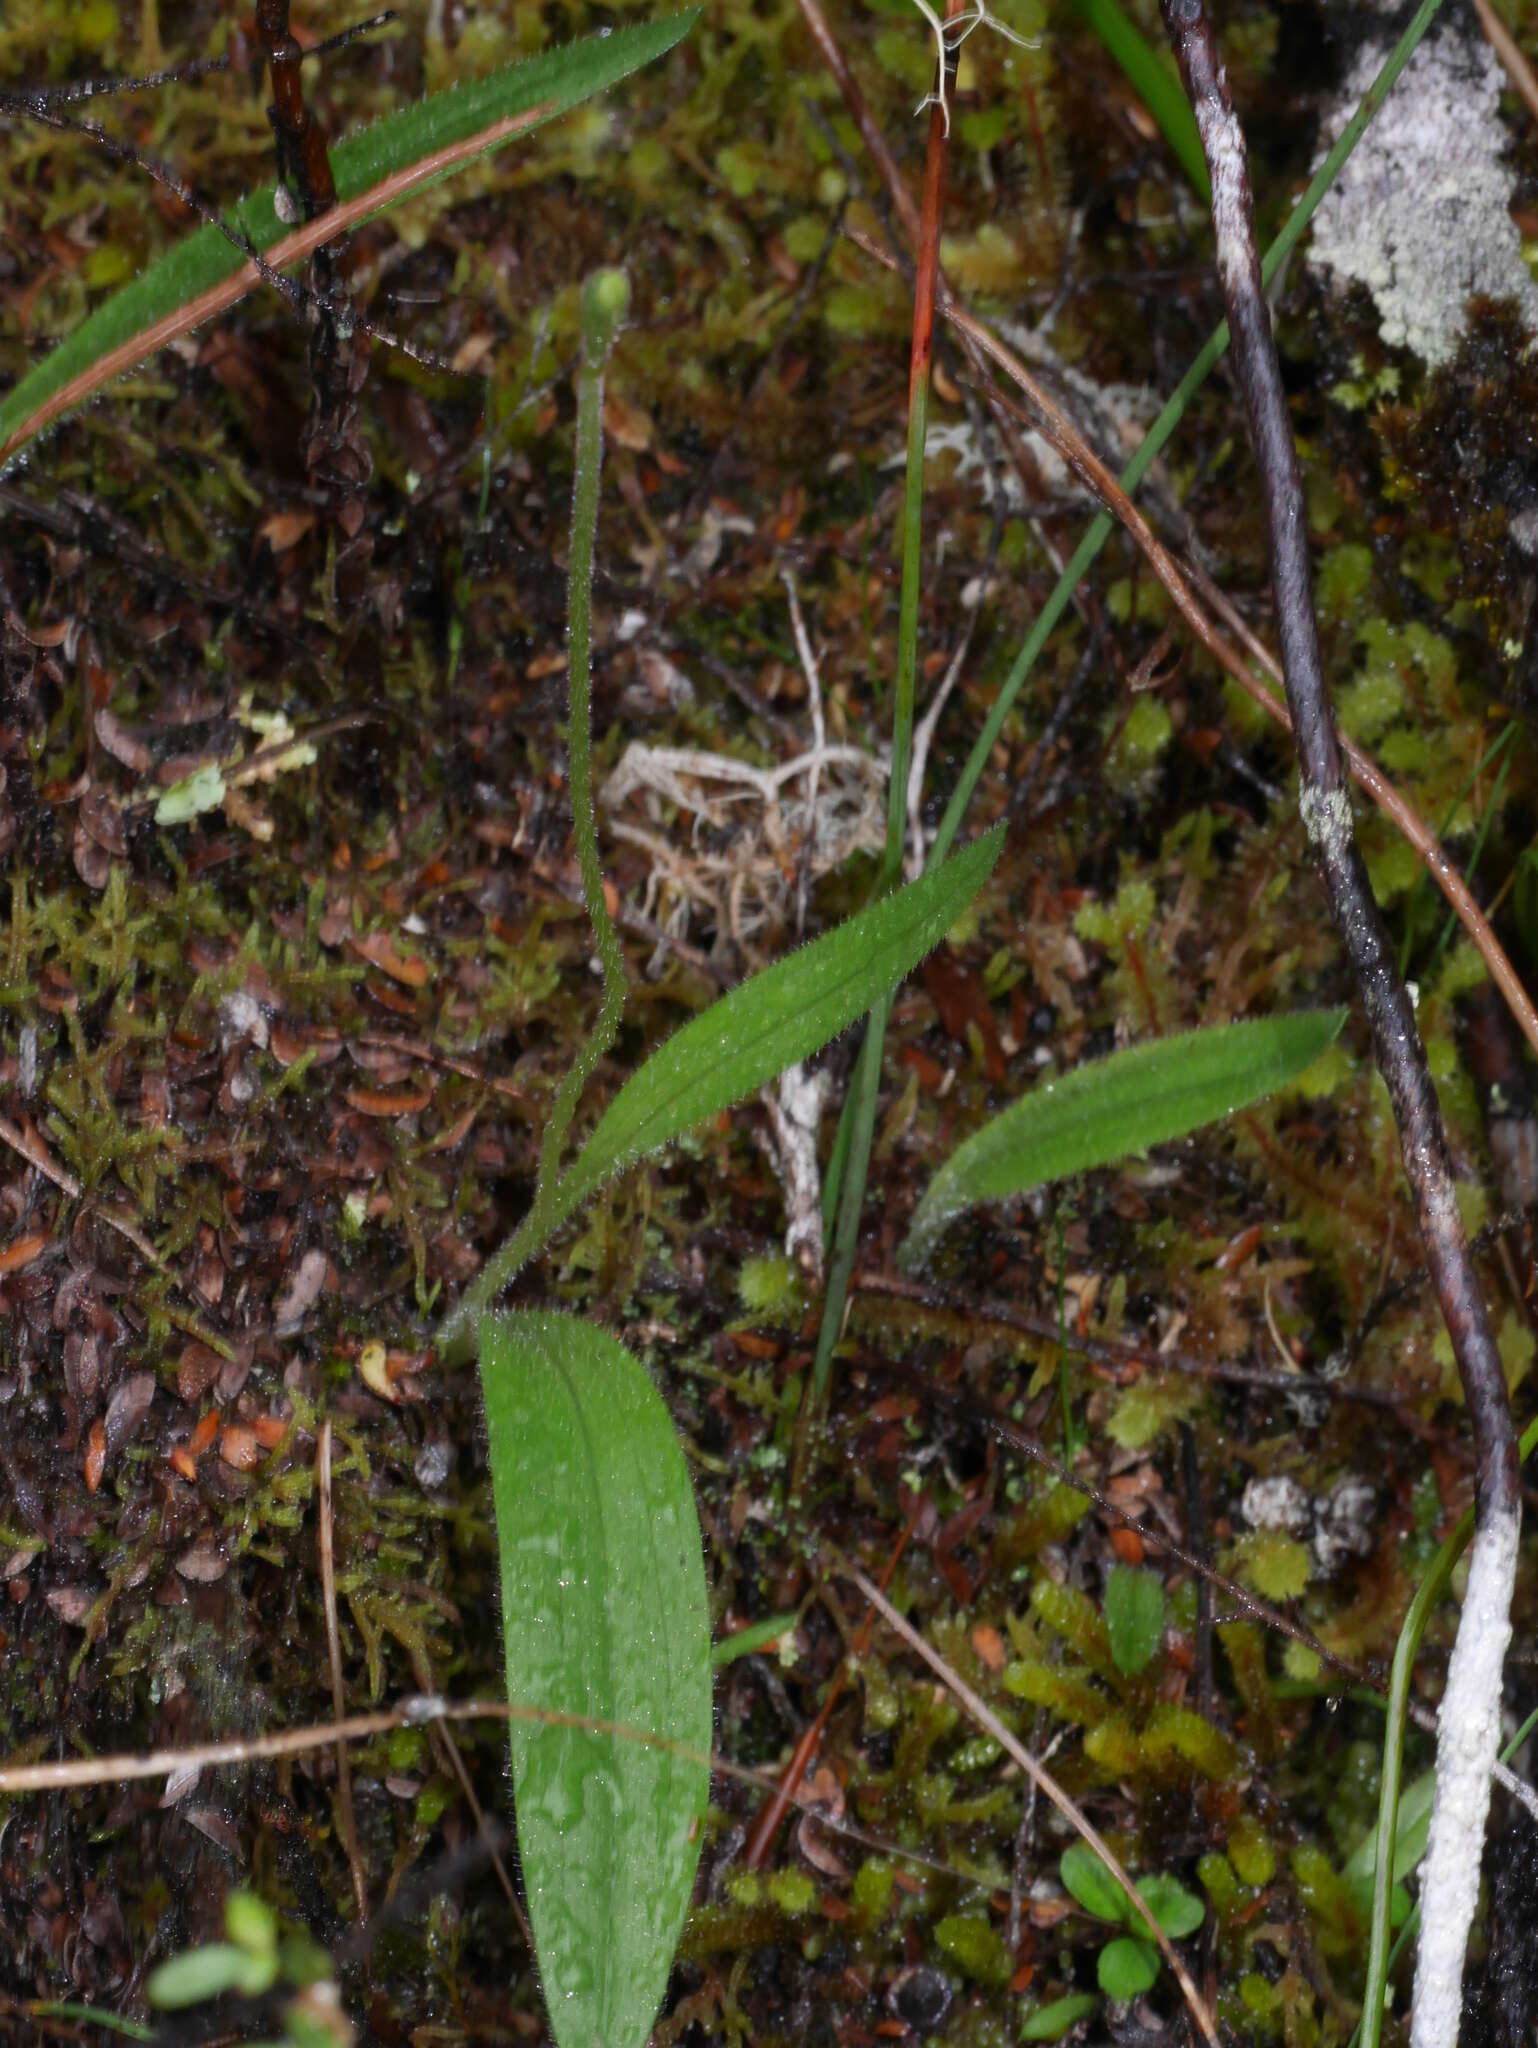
(1468,1736)
(795,1114)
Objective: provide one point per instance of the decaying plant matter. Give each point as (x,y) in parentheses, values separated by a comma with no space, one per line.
(1470,1717)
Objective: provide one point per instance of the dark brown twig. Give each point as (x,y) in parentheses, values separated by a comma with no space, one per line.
(334,448)
(1470,1719)
(76,90)
(303,160)
(1119,1354)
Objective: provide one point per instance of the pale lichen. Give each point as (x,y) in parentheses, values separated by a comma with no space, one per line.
(1420,212)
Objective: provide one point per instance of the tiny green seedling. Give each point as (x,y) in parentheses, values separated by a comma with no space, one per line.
(1130,1964)
(256,1957)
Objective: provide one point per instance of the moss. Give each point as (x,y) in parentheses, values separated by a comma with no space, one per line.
(1139,746)
(975,1947)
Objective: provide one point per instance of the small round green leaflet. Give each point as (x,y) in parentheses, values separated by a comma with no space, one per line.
(1111,1108)
(604,1616)
(1127,1967)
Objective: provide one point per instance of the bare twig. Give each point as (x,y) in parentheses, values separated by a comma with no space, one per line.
(761,1841)
(76,90)
(1121,1354)
(449,1744)
(809,669)
(43,105)
(36,1154)
(987,1719)
(1249,1604)
(417,1710)
(334,1657)
(1470,1719)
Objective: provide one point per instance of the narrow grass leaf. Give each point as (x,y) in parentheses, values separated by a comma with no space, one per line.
(781,1016)
(1156,84)
(556,80)
(1111,1108)
(604,1615)
(1051,2022)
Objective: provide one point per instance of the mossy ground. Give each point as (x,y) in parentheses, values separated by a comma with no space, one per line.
(301,1045)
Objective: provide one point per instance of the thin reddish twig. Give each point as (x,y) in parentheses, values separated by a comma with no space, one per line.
(804,1755)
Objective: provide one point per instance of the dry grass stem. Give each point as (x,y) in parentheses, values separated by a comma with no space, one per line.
(1045,1783)
(1509,51)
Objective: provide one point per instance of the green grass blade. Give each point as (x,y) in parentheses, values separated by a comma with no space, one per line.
(752,1034)
(1109,1108)
(1157,85)
(850,1163)
(562,78)
(604,1615)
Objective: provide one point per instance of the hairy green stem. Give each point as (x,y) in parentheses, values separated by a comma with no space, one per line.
(605,299)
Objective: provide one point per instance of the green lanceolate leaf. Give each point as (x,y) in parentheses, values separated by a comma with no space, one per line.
(1117,1106)
(1411,1833)
(556,80)
(1134,1616)
(1086,1879)
(1051,2022)
(604,1615)
(778,1017)
(209,1972)
(782,1015)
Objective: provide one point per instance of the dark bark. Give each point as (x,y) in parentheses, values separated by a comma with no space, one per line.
(1325,803)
